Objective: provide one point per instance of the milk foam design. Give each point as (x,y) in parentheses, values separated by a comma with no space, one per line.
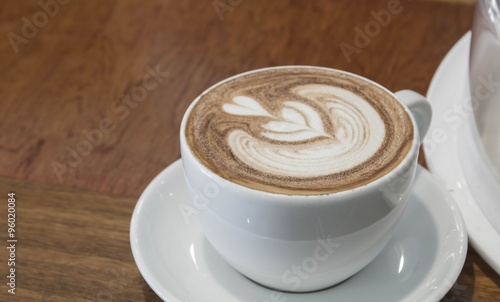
(296,142)
(300,131)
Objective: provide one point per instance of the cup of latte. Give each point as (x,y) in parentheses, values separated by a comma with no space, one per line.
(299,174)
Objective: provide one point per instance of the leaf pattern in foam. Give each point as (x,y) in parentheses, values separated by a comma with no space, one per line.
(279,126)
(299,121)
(296,127)
(292,137)
(313,118)
(293,116)
(245,106)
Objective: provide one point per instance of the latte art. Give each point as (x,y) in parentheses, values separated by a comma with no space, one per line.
(347,142)
(299,131)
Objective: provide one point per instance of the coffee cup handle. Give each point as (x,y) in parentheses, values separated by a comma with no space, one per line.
(419,107)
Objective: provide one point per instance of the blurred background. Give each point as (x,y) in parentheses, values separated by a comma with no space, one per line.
(92,94)
(66,67)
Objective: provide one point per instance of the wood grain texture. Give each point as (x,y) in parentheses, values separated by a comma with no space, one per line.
(92,54)
(477,281)
(456,1)
(130,69)
(73,245)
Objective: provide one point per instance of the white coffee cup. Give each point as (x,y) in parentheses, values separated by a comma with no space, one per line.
(303,243)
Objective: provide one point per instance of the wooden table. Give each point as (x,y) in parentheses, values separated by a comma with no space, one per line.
(92,95)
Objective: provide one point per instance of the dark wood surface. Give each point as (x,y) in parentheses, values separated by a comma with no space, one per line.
(79,142)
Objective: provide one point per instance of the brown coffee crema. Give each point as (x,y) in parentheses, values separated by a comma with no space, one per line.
(299,131)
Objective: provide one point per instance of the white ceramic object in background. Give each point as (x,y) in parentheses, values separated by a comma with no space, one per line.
(420,263)
(484,73)
(303,243)
(454,158)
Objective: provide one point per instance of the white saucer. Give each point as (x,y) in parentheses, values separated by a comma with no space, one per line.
(455,159)
(420,263)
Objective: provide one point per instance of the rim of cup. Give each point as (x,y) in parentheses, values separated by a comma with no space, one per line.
(290,197)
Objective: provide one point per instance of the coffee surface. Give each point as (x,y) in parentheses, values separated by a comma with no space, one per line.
(300,131)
